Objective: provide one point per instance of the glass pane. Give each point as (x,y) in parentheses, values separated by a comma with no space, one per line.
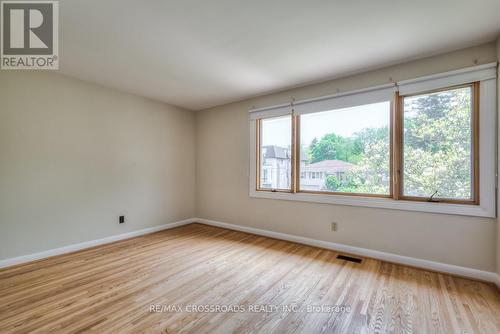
(346,150)
(276,153)
(437,158)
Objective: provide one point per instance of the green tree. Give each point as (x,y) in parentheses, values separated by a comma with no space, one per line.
(367,150)
(313,144)
(335,147)
(332,183)
(371,174)
(437,150)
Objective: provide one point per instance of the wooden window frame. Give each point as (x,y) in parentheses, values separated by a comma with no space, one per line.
(389,195)
(399,151)
(396,154)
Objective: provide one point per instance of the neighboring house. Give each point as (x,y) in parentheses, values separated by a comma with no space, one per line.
(313,176)
(276,166)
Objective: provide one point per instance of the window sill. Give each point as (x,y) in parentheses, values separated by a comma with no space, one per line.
(375,202)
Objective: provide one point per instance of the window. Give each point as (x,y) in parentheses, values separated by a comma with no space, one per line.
(414,145)
(351,146)
(275,153)
(439,130)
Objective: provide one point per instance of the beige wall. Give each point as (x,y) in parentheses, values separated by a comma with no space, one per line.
(222,182)
(74,156)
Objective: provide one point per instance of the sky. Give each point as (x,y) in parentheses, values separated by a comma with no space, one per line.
(344,122)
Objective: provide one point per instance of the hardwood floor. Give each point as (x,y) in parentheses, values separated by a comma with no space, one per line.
(154,283)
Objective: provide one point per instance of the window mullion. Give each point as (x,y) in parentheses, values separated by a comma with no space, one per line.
(257,153)
(475,141)
(397,147)
(296,153)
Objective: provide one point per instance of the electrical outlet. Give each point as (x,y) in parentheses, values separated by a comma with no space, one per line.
(121,220)
(334,227)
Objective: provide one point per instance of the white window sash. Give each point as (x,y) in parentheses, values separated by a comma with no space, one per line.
(444,80)
(275,111)
(346,100)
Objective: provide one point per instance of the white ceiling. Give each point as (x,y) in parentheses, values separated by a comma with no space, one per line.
(201,53)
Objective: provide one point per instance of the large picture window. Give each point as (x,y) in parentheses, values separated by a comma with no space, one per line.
(350,151)
(426,144)
(346,150)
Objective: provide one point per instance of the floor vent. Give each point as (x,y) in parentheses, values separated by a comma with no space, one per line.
(348,258)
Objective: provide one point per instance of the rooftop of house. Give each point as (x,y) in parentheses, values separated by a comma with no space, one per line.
(328,165)
(278,152)
(273,151)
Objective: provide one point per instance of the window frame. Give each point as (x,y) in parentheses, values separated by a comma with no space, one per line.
(485,145)
(398,177)
(396,152)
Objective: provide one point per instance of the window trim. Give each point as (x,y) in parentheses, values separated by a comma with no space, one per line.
(486,120)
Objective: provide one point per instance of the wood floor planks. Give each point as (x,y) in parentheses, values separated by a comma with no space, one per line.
(110,289)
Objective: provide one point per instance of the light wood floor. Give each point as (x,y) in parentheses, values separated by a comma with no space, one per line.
(110,289)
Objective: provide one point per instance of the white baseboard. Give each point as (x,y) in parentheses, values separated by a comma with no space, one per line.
(410,261)
(405,260)
(88,244)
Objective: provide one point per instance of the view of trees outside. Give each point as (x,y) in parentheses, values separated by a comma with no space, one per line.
(437,144)
(348,150)
(358,136)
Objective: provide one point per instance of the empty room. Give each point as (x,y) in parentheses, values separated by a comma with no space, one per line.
(249,166)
